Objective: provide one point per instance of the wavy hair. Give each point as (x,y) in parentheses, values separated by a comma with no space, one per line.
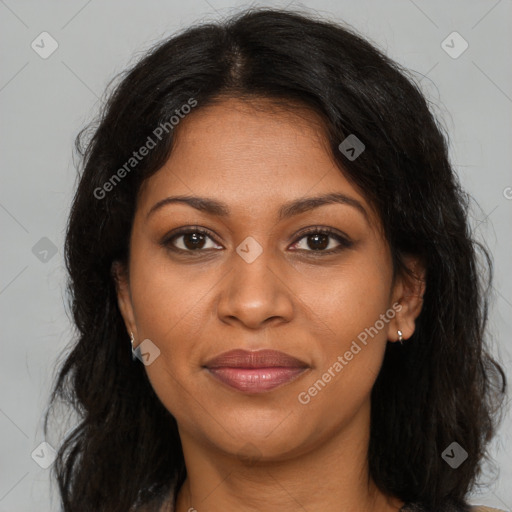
(441,386)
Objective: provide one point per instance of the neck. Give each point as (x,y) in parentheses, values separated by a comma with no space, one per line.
(332,476)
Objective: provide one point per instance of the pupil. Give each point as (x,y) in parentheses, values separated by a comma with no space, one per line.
(322,245)
(197,239)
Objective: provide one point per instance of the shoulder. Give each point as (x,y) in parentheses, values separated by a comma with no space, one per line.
(481,508)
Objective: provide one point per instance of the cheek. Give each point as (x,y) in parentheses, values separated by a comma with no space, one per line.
(174,301)
(165,293)
(168,311)
(355,306)
(332,304)
(167,306)
(351,296)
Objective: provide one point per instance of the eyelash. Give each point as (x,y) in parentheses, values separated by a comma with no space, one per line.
(345,243)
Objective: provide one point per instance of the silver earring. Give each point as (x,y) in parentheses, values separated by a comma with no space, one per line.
(133,351)
(400,338)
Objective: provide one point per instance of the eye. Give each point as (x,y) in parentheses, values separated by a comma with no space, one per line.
(193,239)
(319,239)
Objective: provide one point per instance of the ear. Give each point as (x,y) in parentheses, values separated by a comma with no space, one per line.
(119,273)
(408,291)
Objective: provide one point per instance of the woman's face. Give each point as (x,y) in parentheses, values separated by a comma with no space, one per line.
(256,281)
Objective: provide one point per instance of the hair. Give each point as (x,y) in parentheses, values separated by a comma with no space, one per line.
(441,386)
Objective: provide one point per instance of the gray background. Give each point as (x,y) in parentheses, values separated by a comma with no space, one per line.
(44,102)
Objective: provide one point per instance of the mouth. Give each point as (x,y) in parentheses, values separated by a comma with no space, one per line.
(255,372)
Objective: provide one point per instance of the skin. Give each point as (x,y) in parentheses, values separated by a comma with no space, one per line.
(268,451)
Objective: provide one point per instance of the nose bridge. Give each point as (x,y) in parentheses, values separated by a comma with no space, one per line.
(253,291)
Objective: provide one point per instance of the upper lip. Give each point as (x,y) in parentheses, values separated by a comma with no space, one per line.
(255,359)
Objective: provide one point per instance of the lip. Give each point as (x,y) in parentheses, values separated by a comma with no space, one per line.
(255,371)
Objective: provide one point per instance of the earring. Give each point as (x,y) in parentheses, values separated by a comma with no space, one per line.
(400,339)
(131,341)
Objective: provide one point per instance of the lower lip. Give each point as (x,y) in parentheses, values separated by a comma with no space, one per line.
(255,380)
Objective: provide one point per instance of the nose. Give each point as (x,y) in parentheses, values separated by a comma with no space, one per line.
(255,294)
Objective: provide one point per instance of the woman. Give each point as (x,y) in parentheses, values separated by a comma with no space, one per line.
(275,286)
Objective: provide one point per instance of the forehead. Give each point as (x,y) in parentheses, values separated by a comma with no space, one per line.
(259,134)
(254,156)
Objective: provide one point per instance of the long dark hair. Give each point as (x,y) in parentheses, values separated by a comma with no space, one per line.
(441,386)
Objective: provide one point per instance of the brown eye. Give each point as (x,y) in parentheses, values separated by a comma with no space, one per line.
(194,241)
(318,241)
(189,240)
(321,240)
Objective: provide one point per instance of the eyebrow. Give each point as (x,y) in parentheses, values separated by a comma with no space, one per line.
(287,210)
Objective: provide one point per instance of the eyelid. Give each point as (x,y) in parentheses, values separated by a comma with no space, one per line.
(177,233)
(343,239)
